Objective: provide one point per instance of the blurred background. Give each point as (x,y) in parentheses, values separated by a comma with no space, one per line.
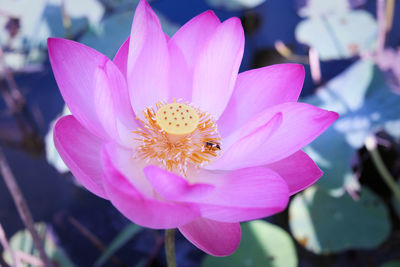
(351,52)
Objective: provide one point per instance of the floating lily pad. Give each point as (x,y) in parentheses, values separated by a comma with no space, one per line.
(366,105)
(393,128)
(317,8)
(333,155)
(340,35)
(22,241)
(235,4)
(325,224)
(263,244)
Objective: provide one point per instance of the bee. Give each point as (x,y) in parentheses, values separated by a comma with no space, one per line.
(212,146)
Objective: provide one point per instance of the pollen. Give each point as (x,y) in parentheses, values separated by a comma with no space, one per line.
(177,142)
(177,125)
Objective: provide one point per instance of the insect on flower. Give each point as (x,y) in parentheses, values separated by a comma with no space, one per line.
(212,146)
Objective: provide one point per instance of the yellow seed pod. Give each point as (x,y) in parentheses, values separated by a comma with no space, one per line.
(177,118)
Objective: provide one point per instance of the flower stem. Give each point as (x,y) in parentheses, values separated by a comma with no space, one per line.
(170,247)
(371,146)
(381,16)
(22,208)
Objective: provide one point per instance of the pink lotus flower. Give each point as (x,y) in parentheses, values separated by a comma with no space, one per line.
(174,137)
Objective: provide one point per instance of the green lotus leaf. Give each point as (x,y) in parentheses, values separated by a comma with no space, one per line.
(22,241)
(339,35)
(263,245)
(366,105)
(324,224)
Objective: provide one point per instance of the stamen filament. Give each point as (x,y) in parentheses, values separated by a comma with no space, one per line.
(177,148)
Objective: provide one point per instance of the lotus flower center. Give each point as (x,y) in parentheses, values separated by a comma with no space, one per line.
(177,137)
(177,118)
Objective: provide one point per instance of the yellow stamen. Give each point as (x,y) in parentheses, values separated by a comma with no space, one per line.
(177,145)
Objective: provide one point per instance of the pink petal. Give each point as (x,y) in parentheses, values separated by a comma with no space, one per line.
(192,36)
(238,214)
(116,88)
(89,81)
(252,143)
(112,105)
(80,150)
(123,159)
(121,58)
(103,102)
(298,170)
(244,187)
(74,66)
(244,194)
(181,76)
(230,196)
(174,187)
(259,89)
(148,63)
(217,67)
(301,124)
(145,210)
(215,238)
